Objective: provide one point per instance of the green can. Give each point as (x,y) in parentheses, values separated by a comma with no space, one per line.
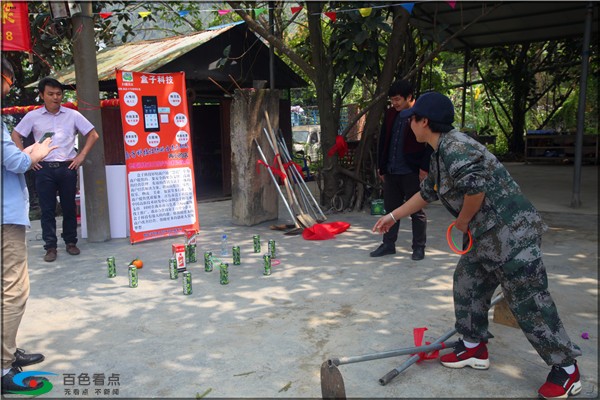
(256,241)
(377,207)
(187,282)
(173,273)
(208,261)
(267,264)
(272,249)
(133,276)
(190,253)
(224,278)
(235,250)
(112,267)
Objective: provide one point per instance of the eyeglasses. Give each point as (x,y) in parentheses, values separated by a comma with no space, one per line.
(8,80)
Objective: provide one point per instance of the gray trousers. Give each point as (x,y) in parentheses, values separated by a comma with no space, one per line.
(526,291)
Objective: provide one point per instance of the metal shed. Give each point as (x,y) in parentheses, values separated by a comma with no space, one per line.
(215,63)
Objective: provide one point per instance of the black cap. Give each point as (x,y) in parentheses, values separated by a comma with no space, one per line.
(434,106)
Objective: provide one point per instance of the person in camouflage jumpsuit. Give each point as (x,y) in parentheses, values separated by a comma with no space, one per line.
(506,231)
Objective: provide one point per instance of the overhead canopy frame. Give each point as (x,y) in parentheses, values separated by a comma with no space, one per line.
(514,23)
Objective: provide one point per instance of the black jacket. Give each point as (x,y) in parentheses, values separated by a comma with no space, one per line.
(416,154)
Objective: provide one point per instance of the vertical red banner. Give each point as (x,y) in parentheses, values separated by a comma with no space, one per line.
(158,154)
(16,35)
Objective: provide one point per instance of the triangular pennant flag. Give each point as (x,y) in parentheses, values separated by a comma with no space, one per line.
(332,15)
(144,14)
(296,9)
(223,12)
(260,10)
(183,13)
(365,12)
(105,15)
(408,7)
(451,4)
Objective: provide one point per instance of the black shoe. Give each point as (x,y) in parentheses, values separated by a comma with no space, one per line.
(24,359)
(9,385)
(418,253)
(383,250)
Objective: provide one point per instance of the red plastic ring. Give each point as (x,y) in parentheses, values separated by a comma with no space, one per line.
(453,245)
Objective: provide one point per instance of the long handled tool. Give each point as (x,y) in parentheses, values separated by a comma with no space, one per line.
(437,345)
(332,383)
(304,218)
(296,178)
(293,200)
(396,371)
(287,206)
(314,201)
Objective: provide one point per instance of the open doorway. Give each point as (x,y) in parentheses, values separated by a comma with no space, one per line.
(210,153)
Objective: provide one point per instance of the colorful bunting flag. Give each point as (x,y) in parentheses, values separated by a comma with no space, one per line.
(408,7)
(365,12)
(332,15)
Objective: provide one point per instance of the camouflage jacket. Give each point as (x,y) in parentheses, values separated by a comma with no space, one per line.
(462,166)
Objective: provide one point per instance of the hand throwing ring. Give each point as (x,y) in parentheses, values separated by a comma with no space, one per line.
(453,245)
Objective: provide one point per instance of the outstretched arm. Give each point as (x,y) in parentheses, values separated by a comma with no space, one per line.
(411,206)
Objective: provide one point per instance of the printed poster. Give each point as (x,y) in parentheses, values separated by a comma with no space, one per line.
(158,154)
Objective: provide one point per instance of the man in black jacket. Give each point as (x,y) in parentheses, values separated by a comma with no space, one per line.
(402,164)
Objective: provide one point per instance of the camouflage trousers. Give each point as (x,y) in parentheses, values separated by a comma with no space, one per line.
(525,288)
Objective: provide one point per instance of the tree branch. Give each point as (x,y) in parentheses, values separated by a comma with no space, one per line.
(308,69)
(432,55)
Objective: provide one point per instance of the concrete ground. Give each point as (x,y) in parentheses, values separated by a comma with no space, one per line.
(266,336)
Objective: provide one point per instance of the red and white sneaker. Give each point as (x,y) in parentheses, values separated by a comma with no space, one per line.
(560,385)
(461,357)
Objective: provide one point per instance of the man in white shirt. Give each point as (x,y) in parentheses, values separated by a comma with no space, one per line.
(58,173)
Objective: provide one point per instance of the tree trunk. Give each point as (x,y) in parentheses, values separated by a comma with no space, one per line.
(521,83)
(324,82)
(372,123)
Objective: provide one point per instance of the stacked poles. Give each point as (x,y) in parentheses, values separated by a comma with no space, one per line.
(299,200)
(287,206)
(309,200)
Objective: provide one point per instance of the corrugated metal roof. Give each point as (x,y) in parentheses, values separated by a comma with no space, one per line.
(503,23)
(144,56)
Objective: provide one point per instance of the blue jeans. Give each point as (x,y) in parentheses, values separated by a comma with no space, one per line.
(49,181)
